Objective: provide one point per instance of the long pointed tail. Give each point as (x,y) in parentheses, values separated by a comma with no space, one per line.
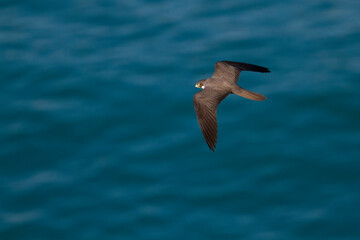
(248,94)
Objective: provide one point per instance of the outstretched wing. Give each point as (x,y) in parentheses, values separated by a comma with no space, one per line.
(231,70)
(205,103)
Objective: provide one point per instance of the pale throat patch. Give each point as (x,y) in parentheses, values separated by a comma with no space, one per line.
(198,86)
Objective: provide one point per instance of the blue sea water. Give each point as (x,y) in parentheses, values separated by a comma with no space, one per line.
(99,137)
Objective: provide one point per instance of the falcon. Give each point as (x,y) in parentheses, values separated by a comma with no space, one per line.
(222,83)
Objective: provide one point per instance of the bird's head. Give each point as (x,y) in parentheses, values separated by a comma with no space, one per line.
(200,84)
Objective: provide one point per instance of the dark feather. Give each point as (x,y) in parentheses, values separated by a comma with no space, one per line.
(247,66)
(231,70)
(222,83)
(247,93)
(205,103)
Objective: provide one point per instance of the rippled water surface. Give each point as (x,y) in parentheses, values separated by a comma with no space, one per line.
(99,138)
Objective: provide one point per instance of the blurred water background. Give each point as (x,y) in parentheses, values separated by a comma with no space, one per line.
(99,138)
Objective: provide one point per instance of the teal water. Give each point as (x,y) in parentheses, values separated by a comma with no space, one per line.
(99,138)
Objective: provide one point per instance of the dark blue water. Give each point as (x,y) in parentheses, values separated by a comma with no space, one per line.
(99,138)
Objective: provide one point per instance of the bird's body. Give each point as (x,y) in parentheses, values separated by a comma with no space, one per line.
(215,89)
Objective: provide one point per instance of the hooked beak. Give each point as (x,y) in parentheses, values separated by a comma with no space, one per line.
(197,86)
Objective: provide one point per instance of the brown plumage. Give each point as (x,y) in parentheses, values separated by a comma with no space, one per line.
(222,83)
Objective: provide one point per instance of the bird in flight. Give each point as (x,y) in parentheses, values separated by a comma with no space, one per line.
(222,83)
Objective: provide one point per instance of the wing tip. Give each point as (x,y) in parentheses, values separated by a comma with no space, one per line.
(212,148)
(248,66)
(256,68)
